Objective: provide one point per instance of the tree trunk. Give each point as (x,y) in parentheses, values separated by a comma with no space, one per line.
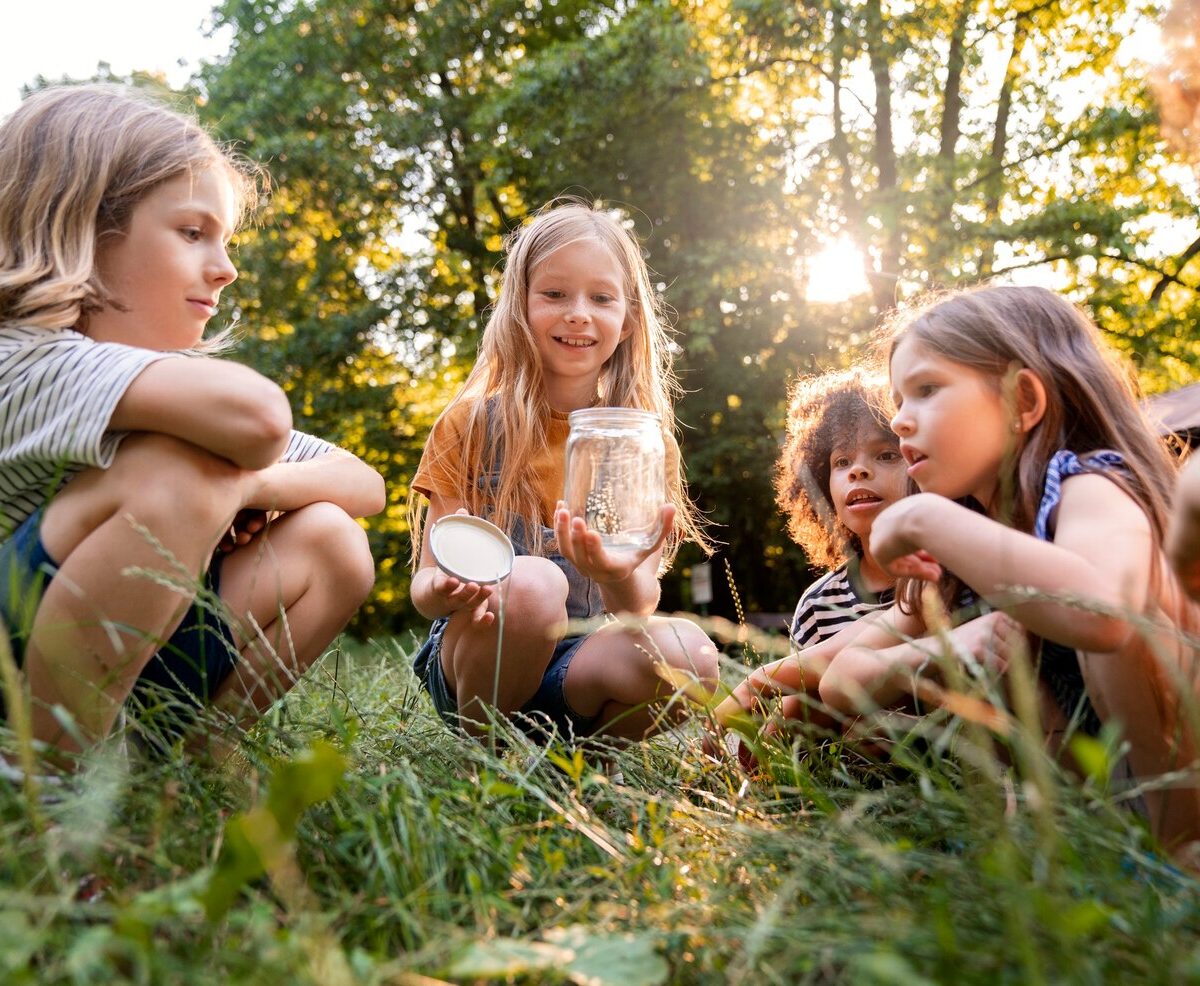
(883,280)
(995,161)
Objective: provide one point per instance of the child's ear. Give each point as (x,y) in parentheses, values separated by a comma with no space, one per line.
(1030,395)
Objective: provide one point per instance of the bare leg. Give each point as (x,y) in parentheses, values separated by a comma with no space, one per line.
(535,619)
(291,591)
(1143,691)
(622,674)
(96,626)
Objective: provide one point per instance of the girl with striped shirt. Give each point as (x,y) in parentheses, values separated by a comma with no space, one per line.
(163,532)
(840,466)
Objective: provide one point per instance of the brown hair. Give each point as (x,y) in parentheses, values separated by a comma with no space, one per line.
(1091,395)
(507,375)
(825,412)
(74,162)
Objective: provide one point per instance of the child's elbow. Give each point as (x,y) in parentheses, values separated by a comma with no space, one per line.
(1099,634)
(266,425)
(374,494)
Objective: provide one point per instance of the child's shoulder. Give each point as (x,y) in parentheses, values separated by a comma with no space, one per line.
(836,580)
(452,426)
(1090,480)
(24,347)
(27,336)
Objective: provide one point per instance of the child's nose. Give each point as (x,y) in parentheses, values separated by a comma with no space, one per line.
(860,470)
(577,311)
(900,423)
(221,270)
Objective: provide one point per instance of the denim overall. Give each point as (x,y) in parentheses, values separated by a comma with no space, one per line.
(1059,663)
(548,707)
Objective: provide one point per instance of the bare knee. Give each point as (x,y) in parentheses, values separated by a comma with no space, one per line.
(535,594)
(339,545)
(686,647)
(533,602)
(163,483)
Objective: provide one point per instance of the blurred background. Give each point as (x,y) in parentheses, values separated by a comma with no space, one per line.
(793,170)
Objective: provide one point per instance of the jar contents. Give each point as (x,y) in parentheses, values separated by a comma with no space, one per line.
(615,475)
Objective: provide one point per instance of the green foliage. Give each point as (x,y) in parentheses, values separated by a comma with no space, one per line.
(430,856)
(951,144)
(261,840)
(576,953)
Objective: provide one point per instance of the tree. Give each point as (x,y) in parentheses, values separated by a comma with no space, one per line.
(950,143)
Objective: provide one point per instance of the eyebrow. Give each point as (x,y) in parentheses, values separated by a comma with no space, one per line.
(921,367)
(552,273)
(205,214)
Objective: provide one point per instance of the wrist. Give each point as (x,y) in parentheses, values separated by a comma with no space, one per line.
(926,512)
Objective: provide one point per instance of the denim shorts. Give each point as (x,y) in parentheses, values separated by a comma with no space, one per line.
(547,713)
(183,675)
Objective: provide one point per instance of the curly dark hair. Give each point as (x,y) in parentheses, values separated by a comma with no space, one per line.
(824,411)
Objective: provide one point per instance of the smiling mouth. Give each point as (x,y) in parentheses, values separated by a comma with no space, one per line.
(575,342)
(862,496)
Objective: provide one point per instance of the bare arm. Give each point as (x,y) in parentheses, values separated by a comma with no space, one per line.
(1101,553)
(628,582)
(217,405)
(1183,540)
(802,671)
(433,592)
(885,676)
(336,477)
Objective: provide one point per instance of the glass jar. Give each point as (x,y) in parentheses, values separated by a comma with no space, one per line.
(615,477)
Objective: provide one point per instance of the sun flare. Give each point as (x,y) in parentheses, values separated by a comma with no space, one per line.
(835,273)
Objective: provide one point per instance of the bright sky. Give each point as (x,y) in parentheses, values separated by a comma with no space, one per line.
(69,37)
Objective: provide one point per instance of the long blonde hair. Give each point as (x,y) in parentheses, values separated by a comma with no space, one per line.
(505,398)
(74,162)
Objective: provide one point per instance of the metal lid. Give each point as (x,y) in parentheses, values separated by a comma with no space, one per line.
(471,549)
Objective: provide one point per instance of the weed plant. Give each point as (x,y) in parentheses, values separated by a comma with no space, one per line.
(353,838)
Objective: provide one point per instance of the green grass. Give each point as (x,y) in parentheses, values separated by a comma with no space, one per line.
(435,858)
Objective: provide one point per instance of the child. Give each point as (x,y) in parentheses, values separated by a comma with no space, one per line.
(575,326)
(125,455)
(1037,470)
(1183,536)
(840,466)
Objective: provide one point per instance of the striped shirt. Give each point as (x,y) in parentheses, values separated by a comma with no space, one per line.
(834,601)
(58,392)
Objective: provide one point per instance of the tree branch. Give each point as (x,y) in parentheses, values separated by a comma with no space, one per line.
(1187,255)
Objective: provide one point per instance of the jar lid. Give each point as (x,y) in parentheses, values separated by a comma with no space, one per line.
(471,549)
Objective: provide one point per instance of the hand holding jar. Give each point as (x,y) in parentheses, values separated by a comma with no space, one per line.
(614,512)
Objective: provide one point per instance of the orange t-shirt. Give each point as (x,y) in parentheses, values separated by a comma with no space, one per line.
(438,470)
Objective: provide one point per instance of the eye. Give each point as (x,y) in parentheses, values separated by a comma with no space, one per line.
(926,389)
(552,293)
(840,462)
(603,299)
(191,233)
(890,455)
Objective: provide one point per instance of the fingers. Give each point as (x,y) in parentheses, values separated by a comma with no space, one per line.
(918,565)
(461,595)
(666,519)
(584,548)
(562,531)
